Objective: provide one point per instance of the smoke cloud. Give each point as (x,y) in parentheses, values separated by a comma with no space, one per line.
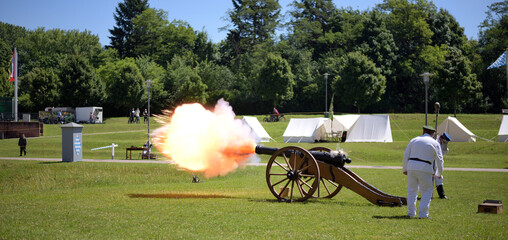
(200,140)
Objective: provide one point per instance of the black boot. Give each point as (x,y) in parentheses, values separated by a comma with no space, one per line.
(441,193)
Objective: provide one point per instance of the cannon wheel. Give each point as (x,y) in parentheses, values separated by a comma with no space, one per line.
(292,174)
(327,188)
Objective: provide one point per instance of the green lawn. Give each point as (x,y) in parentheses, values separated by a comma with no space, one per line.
(87,200)
(47,200)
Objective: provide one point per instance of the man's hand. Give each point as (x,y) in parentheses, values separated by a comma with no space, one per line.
(438,177)
(405,173)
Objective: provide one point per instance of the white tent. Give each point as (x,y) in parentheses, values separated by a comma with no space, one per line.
(305,130)
(457,131)
(370,128)
(502,136)
(257,129)
(340,123)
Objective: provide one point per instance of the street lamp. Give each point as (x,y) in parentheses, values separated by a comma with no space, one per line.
(148,83)
(326,92)
(426,80)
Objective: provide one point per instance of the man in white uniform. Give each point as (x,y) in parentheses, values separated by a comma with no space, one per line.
(443,140)
(420,155)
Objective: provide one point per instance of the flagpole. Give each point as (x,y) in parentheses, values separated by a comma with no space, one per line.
(15,70)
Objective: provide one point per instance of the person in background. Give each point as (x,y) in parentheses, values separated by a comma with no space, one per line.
(60,117)
(148,146)
(137,115)
(145,116)
(91,118)
(131,116)
(275,115)
(421,154)
(22,144)
(443,140)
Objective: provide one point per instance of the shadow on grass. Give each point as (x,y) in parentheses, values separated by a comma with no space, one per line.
(313,201)
(276,201)
(392,217)
(176,195)
(50,162)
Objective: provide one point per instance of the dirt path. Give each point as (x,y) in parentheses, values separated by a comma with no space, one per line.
(248,164)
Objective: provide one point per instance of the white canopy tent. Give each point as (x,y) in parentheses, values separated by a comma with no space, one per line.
(370,128)
(305,130)
(502,136)
(257,129)
(340,123)
(457,131)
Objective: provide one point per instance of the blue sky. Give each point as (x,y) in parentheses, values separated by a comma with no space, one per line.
(96,16)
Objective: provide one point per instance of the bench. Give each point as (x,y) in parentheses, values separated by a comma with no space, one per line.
(128,151)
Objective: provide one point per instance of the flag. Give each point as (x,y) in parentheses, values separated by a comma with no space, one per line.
(12,69)
(331,108)
(501,61)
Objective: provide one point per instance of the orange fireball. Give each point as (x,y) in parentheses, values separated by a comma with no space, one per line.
(204,141)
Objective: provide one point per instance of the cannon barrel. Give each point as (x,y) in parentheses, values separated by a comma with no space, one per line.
(334,158)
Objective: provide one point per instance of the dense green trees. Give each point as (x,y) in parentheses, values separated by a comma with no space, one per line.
(275,81)
(254,22)
(373,58)
(457,85)
(359,83)
(80,85)
(124,84)
(121,34)
(493,41)
(40,87)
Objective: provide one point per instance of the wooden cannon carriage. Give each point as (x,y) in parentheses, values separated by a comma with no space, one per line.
(295,174)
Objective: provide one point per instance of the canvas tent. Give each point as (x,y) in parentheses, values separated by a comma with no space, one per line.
(305,130)
(457,131)
(340,123)
(502,136)
(257,129)
(370,128)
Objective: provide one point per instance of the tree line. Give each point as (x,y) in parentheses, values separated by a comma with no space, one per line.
(372,59)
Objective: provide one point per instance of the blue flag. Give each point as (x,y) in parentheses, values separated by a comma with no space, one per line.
(501,61)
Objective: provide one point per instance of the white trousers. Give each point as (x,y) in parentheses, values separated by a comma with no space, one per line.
(419,181)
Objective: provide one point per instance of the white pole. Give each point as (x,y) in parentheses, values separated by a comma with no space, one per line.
(113,151)
(15,70)
(148,83)
(426,80)
(426,101)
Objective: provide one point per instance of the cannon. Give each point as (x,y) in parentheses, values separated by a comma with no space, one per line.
(294,174)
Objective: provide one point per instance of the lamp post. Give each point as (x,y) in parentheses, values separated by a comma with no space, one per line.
(426,80)
(326,92)
(148,83)
(437,106)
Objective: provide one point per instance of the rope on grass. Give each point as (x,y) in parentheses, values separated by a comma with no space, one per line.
(488,140)
(401,130)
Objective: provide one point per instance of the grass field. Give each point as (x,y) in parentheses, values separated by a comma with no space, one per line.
(88,200)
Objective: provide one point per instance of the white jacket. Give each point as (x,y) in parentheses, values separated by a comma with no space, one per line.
(425,148)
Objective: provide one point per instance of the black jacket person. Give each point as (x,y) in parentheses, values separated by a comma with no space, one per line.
(22,144)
